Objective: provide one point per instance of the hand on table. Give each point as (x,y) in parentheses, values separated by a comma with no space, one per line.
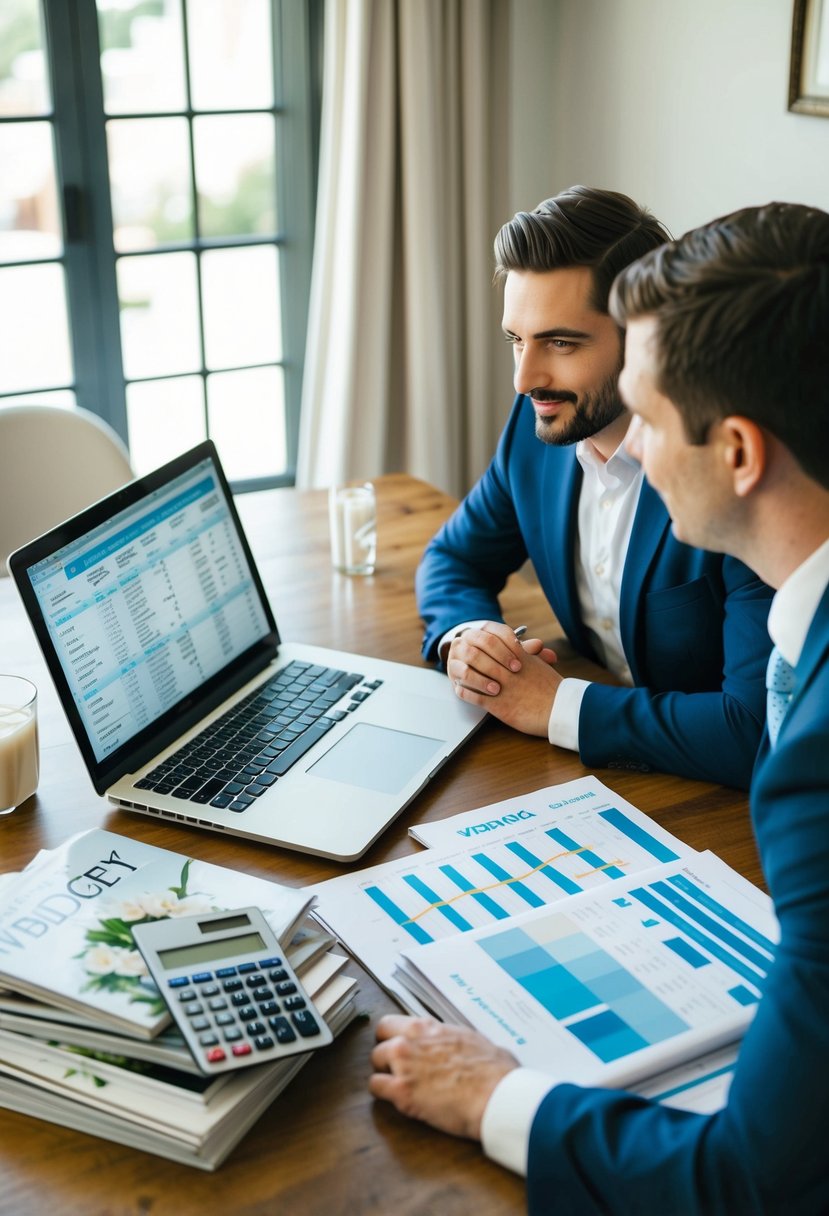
(514,680)
(442,1074)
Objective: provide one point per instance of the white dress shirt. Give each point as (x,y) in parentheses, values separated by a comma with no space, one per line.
(795,604)
(509,1114)
(607,506)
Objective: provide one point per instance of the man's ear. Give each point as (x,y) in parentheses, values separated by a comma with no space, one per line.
(745,447)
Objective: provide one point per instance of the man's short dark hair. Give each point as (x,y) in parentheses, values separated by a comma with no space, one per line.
(742,324)
(582,226)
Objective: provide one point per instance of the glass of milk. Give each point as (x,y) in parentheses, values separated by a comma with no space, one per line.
(19,765)
(352,512)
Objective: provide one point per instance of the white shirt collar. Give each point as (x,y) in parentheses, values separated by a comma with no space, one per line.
(616,473)
(795,604)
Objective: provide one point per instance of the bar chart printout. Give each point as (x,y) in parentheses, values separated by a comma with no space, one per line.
(437,897)
(610,976)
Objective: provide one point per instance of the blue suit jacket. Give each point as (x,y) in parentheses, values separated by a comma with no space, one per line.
(693,623)
(602,1151)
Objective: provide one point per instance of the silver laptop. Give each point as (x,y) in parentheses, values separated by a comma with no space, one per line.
(185,702)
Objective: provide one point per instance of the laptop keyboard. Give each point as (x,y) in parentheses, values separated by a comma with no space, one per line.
(240,755)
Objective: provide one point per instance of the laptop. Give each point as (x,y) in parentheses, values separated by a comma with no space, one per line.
(184,700)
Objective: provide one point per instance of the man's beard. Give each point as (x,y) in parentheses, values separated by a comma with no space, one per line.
(593,412)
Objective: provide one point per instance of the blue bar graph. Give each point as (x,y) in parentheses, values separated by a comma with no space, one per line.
(498,871)
(586,855)
(687,952)
(561,880)
(683,883)
(440,905)
(647,897)
(398,915)
(742,995)
(694,913)
(644,839)
(464,884)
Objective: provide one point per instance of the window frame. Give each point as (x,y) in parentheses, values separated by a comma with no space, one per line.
(89,257)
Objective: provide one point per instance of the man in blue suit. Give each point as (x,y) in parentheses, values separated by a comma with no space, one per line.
(727,374)
(682,630)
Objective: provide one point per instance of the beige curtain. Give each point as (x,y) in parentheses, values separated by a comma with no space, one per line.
(404,368)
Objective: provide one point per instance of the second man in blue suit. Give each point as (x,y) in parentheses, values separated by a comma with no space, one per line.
(682,630)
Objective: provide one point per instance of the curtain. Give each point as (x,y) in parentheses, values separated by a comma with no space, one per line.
(404,370)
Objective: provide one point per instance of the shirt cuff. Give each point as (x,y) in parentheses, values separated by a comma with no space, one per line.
(509,1114)
(447,639)
(563,727)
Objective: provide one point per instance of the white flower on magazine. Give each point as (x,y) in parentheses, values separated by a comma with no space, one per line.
(129,910)
(158,904)
(129,962)
(101,959)
(110,959)
(191,905)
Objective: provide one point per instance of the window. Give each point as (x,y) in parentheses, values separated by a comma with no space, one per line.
(156,207)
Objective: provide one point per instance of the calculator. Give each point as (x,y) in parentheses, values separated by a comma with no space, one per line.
(233,994)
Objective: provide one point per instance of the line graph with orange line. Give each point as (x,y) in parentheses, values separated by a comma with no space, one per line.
(516,878)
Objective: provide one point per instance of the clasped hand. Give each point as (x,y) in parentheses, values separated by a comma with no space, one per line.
(514,680)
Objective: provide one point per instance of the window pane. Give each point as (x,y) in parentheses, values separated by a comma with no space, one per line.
(33,308)
(149,169)
(246,412)
(242,319)
(231,61)
(24,87)
(142,61)
(159,314)
(164,418)
(235,175)
(29,222)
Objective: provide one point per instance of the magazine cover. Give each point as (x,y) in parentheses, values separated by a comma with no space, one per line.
(66,922)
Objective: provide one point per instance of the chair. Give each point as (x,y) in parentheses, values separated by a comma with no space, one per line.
(53,462)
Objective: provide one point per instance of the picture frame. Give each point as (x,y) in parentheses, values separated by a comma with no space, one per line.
(809,64)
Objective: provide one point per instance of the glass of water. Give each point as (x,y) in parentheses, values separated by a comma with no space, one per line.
(352,514)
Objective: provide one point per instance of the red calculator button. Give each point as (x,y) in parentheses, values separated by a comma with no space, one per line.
(241,1049)
(215,1055)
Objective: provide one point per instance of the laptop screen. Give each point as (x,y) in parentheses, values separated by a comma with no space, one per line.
(147,605)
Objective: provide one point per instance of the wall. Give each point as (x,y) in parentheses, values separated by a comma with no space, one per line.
(679,103)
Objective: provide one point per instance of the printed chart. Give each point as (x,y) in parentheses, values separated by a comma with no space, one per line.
(631,979)
(612,986)
(489,865)
(483,885)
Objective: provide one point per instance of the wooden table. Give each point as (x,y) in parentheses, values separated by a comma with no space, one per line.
(324,1146)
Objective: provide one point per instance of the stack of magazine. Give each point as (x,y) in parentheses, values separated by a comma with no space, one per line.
(85,1038)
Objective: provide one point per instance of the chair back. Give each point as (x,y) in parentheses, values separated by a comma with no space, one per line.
(53,463)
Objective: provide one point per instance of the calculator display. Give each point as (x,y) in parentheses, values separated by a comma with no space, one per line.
(206,952)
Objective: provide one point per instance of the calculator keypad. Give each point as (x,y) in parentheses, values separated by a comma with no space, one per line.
(250,1012)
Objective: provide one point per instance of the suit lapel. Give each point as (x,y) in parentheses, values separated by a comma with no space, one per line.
(650,525)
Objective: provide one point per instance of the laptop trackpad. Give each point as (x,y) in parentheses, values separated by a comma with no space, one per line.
(376,758)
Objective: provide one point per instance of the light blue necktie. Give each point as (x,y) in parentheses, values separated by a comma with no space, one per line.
(779,689)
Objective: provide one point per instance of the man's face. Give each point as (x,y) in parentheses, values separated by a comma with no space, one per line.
(692,479)
(567,355)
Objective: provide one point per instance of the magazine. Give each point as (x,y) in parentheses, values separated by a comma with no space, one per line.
(65,923)
(23,1015)
(61,1087)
